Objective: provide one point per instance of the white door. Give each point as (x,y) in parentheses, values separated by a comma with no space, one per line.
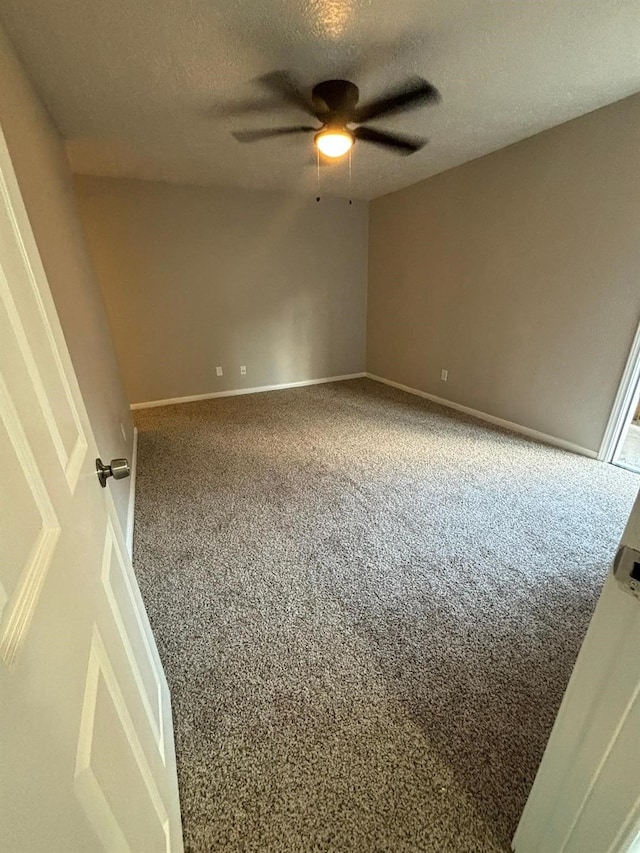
(87,760)
(586,796)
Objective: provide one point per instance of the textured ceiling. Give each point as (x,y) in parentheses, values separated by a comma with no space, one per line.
(140,89)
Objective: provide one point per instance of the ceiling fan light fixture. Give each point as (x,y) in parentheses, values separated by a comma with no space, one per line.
(334,142)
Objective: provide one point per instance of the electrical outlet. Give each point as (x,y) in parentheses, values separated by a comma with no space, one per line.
(444,375)
(218,371)
(243,370)
(123,430)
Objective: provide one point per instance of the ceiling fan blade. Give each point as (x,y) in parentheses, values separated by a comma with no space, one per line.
(285,87)
(268,132)
(414,93)
(401,144)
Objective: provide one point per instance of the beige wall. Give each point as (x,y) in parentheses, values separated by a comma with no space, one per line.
(41,167)
(520,274)
(198,277)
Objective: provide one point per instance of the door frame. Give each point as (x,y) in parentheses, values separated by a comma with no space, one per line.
(622,403)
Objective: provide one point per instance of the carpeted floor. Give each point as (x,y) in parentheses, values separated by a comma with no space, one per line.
(368,608)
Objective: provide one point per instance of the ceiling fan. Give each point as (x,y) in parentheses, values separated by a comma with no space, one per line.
(334,103)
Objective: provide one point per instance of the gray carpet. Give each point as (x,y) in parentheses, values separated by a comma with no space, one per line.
(368,608)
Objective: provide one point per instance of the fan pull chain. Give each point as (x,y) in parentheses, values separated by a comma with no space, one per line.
(350,192)
(318,170)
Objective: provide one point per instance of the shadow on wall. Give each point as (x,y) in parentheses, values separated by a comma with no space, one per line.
(294,318)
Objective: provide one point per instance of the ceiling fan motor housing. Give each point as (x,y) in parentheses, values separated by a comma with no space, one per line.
(335,100)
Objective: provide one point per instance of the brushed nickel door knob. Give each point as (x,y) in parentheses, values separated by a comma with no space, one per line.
(118,469)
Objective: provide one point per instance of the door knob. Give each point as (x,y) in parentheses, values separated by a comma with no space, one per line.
(118,469)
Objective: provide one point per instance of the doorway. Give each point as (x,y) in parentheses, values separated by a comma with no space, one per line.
(621,443)
(627,452)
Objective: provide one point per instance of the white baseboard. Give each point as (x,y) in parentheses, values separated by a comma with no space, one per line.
(132,493)
(483,416)
(173,400)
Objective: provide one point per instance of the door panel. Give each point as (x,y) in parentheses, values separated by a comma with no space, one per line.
(108,751)
(27,320)
(18,507)
(86,738)
(29,550)
(118,587)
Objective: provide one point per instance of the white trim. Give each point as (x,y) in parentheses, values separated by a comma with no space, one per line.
(132,493)
(622,403)
(483,416)
(237,391)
